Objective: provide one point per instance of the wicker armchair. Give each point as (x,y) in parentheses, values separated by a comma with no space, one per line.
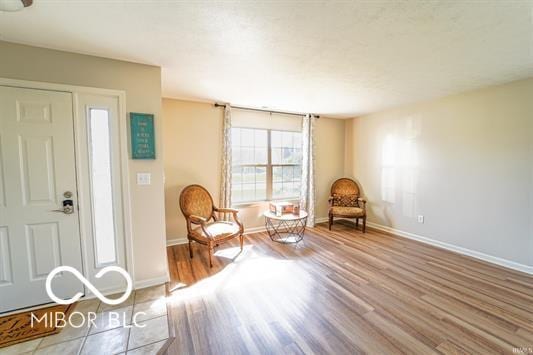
(345,202)
(197,206)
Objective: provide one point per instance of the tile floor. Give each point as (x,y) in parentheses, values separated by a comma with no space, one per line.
(108,337)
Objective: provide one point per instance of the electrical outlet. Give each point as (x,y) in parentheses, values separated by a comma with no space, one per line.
(420,219)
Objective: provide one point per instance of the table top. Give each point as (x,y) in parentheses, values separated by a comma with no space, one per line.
(285,216)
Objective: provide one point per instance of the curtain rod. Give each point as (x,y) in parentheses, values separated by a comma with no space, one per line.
(262,110)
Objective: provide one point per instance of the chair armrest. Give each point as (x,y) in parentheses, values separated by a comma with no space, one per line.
(330,201)
(197,219)
(363,201)
(226,210)
(201,221)
(234,212)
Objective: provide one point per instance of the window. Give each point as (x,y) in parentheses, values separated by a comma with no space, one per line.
(250,163)
(266,164)
(286,148)
(101,186)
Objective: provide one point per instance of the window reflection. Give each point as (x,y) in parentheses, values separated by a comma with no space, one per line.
(399,165)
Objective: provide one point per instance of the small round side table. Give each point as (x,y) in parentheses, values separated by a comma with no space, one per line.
(287,228)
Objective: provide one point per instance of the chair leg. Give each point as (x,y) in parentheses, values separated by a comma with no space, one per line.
(364,224)
(356,222)
(241,238)
(210,254)
(330,222)
(190,248)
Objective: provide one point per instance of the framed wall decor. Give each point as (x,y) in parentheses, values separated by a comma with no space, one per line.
(142,136)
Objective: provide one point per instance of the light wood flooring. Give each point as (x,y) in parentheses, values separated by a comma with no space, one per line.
(345,292)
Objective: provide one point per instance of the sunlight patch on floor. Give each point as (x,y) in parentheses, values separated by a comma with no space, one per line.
(178,286)
(249,272)
(232,253)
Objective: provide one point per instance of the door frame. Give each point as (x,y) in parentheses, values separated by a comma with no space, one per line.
(75,90)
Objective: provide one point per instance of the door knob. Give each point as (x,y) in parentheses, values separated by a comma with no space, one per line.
(68,209)
(68,206)
(65,210)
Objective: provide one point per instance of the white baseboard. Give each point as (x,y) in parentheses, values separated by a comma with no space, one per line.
(177,241)
(262,228)
(464,251)
(457,249)
(321,220)
(254,230)
(107,292)
(150,282)
(136,286)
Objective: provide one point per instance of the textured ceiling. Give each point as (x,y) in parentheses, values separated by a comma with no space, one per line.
(335,58)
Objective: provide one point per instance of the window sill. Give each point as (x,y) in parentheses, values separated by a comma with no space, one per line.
(263,202)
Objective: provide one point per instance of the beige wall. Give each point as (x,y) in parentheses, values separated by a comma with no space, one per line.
(465,162)
(142,84)
(329,139)
(192,150)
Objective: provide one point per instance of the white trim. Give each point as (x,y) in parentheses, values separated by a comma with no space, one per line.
(110,103)
(124,155)
(254,230)
(262,202)
(457,249)
(151,282)
(184,240)
(125,179)
(263,229)
(137,285)
(321,220)
(176,241)
(107,292)
(58,87)
(32,308)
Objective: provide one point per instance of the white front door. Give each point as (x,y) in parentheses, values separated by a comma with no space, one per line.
(37,177)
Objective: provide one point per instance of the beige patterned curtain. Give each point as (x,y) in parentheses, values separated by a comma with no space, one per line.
(307,193)
(225,186)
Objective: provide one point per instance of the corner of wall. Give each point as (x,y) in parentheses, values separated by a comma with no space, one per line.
(348,147)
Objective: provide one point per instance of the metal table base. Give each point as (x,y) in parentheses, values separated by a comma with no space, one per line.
(286,231)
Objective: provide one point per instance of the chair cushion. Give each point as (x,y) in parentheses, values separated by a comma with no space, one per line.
(347,211)
(217,230)
(345,200)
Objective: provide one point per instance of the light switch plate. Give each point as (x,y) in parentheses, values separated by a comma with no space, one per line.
(420,219)
(144,178)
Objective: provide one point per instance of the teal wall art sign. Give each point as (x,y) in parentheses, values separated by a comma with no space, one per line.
(142,136)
